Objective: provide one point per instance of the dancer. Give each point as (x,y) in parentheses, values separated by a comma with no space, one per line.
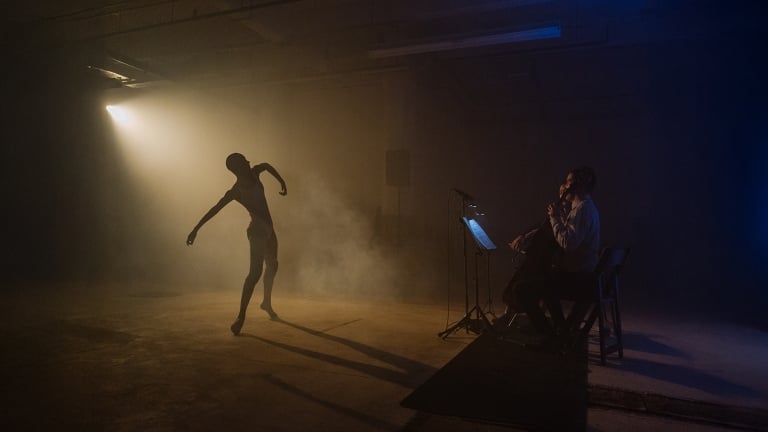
(249,192)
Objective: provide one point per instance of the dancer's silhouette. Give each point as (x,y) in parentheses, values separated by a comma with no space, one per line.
(249,192)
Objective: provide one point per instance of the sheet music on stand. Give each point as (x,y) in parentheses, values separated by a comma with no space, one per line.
(478,233)
(479,322)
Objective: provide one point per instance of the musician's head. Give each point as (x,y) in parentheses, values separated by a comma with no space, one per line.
(580,182)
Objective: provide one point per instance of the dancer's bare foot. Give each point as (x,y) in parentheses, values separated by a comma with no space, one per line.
(237,326)
(268,308)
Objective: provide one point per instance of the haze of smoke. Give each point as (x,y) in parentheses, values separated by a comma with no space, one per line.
(332,245)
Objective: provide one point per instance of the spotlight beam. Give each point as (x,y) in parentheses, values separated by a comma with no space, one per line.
(119,114)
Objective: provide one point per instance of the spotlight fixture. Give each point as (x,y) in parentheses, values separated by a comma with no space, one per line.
(125,71)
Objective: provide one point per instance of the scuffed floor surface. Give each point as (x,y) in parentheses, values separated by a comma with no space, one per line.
(77,358)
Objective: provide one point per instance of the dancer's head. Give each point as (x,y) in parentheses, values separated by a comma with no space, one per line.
(238,164)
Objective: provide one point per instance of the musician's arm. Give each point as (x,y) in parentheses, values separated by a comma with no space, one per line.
(569,235)
(520,241)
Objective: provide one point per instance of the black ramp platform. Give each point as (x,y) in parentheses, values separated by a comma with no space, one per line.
(503,382)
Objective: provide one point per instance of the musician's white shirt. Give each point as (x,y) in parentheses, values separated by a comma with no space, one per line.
(579,236)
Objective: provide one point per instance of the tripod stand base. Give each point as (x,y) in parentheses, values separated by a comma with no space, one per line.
(476,325)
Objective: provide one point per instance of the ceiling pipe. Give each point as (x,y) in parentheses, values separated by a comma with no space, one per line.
(550,32)
(192,18)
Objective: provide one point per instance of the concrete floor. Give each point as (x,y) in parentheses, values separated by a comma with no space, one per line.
(141,358)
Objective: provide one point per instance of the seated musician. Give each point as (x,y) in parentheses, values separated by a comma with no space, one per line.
(520,242)
(574,233)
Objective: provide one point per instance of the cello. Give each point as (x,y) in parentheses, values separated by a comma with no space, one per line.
(537,254)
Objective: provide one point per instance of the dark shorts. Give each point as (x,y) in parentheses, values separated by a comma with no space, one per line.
(262,239)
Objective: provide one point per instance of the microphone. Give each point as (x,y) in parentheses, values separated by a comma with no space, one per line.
(463,194)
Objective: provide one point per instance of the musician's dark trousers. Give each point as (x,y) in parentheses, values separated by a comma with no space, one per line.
(548,290)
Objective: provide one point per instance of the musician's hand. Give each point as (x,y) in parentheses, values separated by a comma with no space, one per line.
(552,211)
(517,243)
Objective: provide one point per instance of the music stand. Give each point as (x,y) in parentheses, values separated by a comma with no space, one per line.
(479,322)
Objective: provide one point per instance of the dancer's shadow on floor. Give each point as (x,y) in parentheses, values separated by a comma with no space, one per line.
(409,373)
(368,419)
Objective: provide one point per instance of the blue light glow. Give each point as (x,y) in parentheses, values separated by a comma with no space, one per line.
(479,234)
